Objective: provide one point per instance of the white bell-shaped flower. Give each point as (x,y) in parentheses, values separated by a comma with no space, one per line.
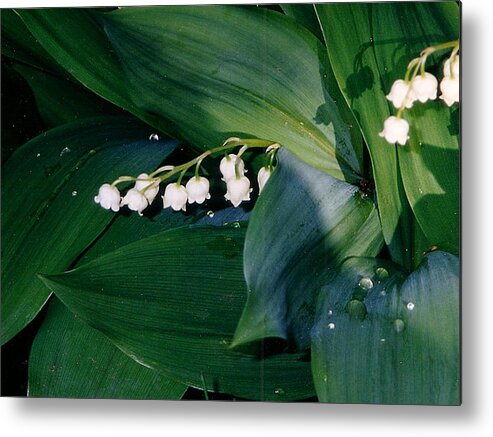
(455,71)
(149,188)
(135,200)
(262,177)
(175,195)
(238,190)
(198,189)
(227,166)
(395,130)
(425,87)
(401,94)
(108,197)
(450,89)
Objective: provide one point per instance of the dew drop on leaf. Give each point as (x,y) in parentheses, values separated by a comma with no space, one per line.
(399,325)
(65,150)
(382,273)
(210,214)
(365,283)
(410,306)
(154,137)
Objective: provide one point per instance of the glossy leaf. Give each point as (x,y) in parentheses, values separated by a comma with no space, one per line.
(269,84)
(69,359)
(303,225)
(49,215)
(383,338)
(172,302)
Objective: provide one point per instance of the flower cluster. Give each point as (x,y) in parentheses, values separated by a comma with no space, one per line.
(176,196)
(421,86)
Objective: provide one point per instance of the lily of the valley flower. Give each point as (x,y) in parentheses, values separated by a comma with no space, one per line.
(450,90)
(395,130)
(149,188)
(198,189)
(135,200)
(227,167)
(449,86)
(262,177)
(238,190)
(425,87)
(455,70)
(401,94)
(108,197)
(175,195)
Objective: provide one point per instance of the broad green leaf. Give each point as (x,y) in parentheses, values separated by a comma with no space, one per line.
(386,339)
(429,164)
(69,359)
(60,100)
(49,215)
(304,223)
(172,302)
(224,71)
(352,57)
(305,14)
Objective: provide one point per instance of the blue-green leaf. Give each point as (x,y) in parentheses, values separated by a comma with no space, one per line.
(304,223)
(383,338)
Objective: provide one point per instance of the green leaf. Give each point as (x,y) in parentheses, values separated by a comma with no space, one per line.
(49,215)
(69,359)
(366,63)
(383,338)
(20,45)
(356,69)
(60,100)
(74,37)
(305,15)
(172,301)
(235,79)
(429,164)
(304,223)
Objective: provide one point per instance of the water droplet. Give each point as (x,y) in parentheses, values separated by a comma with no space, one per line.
(301,123)
(236,225)
(365,283)
(331,325)
(210,214)
(410,306)
(382,340)
(383,292)
(279,391)
(382,273)
(356,309)
(65,150)
(38,155)
(74,193)
(154,137)
(330,312)
(399,325)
